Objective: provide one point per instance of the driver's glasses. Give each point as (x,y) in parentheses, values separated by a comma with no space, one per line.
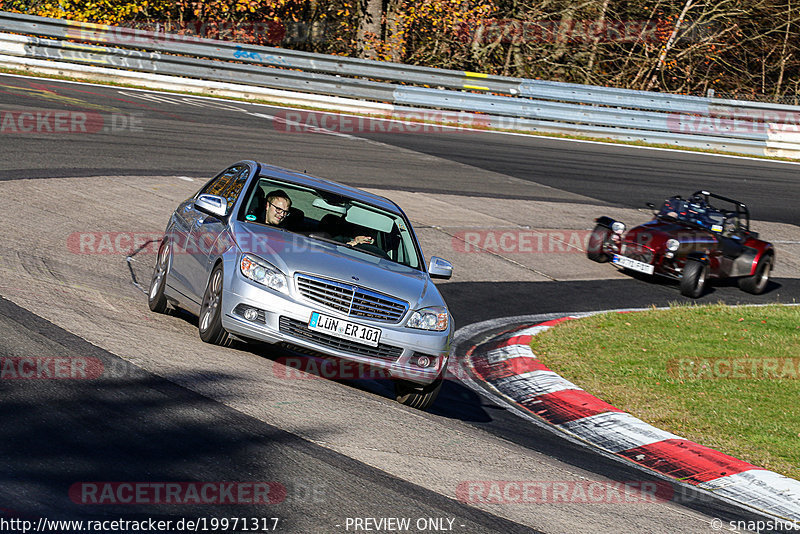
(279,210)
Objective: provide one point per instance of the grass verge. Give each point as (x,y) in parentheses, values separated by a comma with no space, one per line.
(725,377)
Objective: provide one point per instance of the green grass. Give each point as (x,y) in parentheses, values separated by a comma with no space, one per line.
(725,377)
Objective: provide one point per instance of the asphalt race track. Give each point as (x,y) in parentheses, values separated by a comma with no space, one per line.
(172,409)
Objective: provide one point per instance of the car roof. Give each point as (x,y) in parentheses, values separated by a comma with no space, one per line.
(280,173)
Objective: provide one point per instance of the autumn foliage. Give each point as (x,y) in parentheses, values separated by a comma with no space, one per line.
(749,48)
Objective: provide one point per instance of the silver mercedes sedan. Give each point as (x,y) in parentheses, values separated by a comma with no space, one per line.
(264,253)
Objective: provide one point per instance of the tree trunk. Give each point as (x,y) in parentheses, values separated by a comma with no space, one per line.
(601,21)
(395,31)
(784,56)
(368,34)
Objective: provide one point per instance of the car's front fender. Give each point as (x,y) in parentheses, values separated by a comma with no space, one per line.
(702,257)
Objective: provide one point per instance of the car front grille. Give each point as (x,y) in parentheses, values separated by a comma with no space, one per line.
(352,300)
(637,252)
(299,329)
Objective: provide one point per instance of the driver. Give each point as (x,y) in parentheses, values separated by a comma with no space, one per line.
(672,206)
(696,211)
(277,208)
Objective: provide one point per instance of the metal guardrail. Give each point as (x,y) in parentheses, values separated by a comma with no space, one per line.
(193,67)
(258,55)
(534,105)
(560,112)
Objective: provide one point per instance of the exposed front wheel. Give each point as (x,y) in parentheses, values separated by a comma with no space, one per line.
(415,395)
(595,250)
(693,282)
(757,283)
(210,320)
(156,298)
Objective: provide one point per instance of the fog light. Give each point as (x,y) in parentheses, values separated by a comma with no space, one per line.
(251,314)
(669,254)
(423,361)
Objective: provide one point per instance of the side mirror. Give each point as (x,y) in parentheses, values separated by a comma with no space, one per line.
(212,204)
(440,268)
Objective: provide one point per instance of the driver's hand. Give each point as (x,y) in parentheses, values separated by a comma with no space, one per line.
(361,239)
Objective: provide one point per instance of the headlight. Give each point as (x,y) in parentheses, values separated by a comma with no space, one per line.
(263,272)
(617,227)
(673,244)
(434,318)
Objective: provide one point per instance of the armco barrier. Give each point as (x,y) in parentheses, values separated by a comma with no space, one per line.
(532,105)
(261,55)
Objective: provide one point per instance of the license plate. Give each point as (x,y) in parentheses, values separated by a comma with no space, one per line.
(344,329)
(634,265)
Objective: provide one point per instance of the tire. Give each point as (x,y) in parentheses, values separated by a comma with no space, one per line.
(695,276)
(155,296)
(597,241)
(416,396)
(757,283)
(210,321)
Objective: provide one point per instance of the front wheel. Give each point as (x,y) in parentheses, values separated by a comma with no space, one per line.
(210,320)
(598,240)
(416,396)
(156,298)
(757,283)
(693,282)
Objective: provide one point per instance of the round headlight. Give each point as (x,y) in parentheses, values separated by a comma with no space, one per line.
(673,244)
(617,227)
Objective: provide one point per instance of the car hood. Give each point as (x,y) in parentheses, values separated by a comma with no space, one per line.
(295,253)
(656,233)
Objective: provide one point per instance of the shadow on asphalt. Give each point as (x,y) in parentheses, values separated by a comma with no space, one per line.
(64,440)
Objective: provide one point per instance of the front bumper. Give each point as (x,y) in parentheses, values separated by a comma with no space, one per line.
(283,318)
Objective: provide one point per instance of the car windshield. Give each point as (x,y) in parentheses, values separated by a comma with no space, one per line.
(694,211)
(326,216)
